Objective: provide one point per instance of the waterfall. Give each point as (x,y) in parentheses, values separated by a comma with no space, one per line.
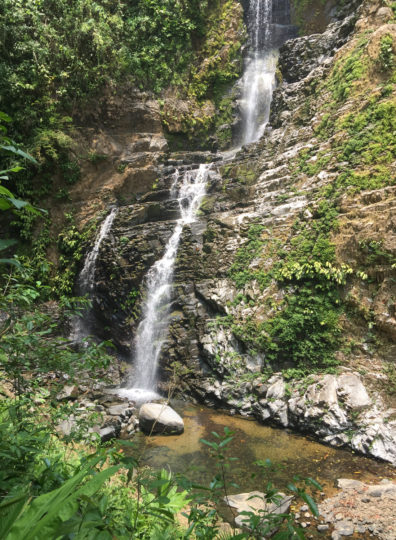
(152,330)
(258,81)
(86,279)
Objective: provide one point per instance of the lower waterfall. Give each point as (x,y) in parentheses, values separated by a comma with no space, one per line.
(152,330)
(86,280)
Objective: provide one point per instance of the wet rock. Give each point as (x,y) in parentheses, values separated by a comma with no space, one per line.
(158,418)
(109,432)
(298,57)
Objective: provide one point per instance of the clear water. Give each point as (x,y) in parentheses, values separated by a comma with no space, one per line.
(152,330)
(252,441)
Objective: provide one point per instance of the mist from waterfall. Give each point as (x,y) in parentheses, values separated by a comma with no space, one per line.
(86,279)
(189,191)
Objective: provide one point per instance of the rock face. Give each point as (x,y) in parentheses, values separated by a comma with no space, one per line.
(225,295)
(159,418)
(337,410)
(298,57)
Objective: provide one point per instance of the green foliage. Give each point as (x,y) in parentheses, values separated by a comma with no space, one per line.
(71,245)
(159,31)
(10,162)
(240,271)
(347,71)
(370,145)
(306,331)
(29,342)
(220,59)
(57,52)
(386,57)
(376,253)
(305,326)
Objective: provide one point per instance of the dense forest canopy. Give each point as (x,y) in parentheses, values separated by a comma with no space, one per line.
(55,54)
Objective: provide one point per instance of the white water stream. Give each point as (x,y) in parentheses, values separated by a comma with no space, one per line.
(152,330)
(86,280)
(258,81)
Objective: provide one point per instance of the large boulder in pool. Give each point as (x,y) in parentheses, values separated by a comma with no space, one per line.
(158,418)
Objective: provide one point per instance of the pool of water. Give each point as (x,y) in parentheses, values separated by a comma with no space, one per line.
(296,454)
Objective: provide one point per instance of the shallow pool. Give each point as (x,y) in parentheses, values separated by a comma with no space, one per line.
(297,455)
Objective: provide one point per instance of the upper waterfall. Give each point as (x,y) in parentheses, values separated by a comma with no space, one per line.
(268,26)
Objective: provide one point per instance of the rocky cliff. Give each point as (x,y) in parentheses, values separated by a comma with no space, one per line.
(284,295)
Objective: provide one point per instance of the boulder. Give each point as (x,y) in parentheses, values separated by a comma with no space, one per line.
(159,418)
(255,502)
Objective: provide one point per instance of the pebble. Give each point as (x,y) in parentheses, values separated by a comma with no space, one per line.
(352,511)
(322,527)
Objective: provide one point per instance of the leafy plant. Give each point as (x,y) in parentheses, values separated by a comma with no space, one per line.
(386,57)
(9,152)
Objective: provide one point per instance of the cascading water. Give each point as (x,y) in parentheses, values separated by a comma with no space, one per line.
(258,81)
(152,330)
(258,84)
(86,279)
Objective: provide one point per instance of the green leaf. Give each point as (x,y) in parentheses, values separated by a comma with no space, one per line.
(6,243)
(311,503)
(208,443)
(4,117)
(42,517)
(5,204)
(5,192)
(13,262)
(314,483)
(10,511)
(19,152)
(18,203)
